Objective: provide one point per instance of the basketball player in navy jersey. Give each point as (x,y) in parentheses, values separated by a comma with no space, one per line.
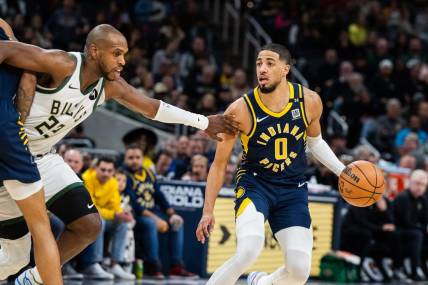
(19,175)
(278,121)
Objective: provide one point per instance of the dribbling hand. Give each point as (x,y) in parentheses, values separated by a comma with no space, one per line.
(221,124)
(205,227)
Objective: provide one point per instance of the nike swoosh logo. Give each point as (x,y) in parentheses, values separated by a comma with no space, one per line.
(302,184)
(90,206)
(72,87)
(261,119)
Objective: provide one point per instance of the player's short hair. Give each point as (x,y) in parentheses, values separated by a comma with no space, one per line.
(284,53)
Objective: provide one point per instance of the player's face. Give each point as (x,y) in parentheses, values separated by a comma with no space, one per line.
(112,58)
(270,70)
(134,159)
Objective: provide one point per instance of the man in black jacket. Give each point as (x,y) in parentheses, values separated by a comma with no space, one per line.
(411,217)
(370,229)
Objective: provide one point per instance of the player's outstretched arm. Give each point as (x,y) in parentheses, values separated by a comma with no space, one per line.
(215,178)
(317,146)
(137,101)
(58,64)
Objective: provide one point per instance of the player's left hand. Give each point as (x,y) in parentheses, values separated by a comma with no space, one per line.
(221,124)
(205,227)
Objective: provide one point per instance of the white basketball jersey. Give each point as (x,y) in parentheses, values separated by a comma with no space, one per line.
(55,111)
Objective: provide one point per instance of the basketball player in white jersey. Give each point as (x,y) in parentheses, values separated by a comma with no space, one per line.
(78,83)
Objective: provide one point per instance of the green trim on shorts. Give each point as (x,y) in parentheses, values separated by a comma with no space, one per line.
(62,192)
(48,203)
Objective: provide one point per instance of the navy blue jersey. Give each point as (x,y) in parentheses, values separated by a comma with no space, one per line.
(16,162)
(275,147)
(9,79)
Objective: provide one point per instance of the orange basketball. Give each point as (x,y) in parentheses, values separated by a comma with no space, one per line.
(361,183)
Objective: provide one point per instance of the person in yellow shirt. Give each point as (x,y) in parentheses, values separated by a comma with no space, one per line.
(104,190)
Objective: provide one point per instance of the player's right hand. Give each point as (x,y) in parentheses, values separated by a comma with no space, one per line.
(221,124)
(205,227)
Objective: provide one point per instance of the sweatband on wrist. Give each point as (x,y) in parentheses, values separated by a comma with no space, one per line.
(323,153)
(173,115)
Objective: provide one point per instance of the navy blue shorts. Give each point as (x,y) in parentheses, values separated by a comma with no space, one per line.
(283,206)
(16,162)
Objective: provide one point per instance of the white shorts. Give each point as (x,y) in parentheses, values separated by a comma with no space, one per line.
(20,191)
(57,178)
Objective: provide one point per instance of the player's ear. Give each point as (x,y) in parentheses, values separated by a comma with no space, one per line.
(286,69)
(93,51)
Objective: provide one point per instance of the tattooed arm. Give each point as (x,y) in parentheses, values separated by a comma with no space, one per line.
(25,94)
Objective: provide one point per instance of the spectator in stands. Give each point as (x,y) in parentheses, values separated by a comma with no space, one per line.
(364,152)
(61,148)
(40,38)
(204,82)
(408,161)
(191,61)
(422,111)
(67,26)
(207,105)
(337,143)
(146,139)
(380,53)
(411,218)
(421,24)
(414,125)
(328,70)
(158,217)
(199,169)
(369,229)
(383,84)
(388,125)
(181,161)
(172,30)
(415,50)
(411,146)
(163,164)
(225,98)
(226,75)
(168,54)
(74,158)
(340,89)
(104,190)
(239,84)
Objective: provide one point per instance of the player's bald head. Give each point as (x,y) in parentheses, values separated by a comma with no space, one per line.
(105,51)
(105,35)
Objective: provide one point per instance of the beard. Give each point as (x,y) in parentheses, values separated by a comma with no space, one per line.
(268,89)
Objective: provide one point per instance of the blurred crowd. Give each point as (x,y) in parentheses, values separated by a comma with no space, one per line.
(367,59)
